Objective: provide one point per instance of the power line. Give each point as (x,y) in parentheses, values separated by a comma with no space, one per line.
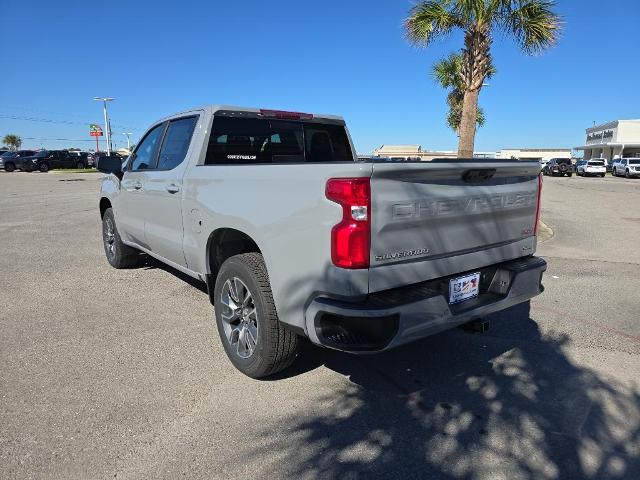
(61,122)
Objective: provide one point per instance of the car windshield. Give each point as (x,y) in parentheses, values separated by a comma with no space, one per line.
(634,162)
(9,154)
(596,163)
(564,160)
(41,154)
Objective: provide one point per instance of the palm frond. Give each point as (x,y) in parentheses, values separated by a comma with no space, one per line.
(429,20)
(534,24)
(447,71)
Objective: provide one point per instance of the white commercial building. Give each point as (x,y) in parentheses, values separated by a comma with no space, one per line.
(416,152)
(620,138)
(542,155)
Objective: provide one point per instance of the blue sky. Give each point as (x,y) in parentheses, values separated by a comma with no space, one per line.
(342,57)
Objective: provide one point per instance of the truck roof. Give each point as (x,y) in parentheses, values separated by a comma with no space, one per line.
(214,108)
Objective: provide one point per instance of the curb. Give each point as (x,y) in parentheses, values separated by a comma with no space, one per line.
(544,232)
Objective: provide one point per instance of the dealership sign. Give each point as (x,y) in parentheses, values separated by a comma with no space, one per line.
(95,130)
(600,136)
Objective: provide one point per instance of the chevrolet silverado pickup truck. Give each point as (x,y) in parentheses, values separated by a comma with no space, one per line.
(295,237)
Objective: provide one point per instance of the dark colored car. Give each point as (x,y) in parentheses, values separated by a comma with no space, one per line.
(558,166)
(11,160)
(45,160)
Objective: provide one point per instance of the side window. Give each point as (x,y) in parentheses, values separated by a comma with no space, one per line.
(145,155)
(176,142)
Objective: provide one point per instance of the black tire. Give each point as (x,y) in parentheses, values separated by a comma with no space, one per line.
(9,167)
(118,254)
(276,347)
(626,174)
(43,167)
(602,175)
(570,175)
(613,172)
(81,165)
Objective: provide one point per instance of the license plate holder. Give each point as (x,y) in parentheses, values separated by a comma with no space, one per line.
(464,288)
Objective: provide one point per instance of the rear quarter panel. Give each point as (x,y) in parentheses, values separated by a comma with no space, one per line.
(283,208)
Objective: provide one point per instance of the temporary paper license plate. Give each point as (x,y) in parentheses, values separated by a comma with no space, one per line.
(464,288)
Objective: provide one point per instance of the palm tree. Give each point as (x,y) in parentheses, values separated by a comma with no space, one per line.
(532,23)
(12,141)
(447,72)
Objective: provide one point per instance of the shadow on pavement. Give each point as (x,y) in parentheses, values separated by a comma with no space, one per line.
(509,404)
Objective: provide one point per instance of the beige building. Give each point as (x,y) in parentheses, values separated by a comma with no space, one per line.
(620,138)
(416,152)
(540,154)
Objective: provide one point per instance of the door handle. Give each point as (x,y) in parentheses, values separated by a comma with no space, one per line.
(172,188)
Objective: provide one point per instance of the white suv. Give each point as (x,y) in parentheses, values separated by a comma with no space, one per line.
(595,166)
(629,167)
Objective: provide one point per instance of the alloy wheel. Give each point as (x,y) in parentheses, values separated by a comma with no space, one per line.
(239,317)
(110,237)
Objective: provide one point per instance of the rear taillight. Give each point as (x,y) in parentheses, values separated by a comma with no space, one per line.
(539,199)
(350,239)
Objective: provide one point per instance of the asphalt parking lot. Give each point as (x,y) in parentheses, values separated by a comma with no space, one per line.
(119,373)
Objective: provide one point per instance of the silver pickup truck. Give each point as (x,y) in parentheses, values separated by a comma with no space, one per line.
(296,237)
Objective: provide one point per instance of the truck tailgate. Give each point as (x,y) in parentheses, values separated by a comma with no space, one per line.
(435,219)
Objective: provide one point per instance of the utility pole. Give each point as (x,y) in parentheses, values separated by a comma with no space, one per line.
(107,124)
(128,135)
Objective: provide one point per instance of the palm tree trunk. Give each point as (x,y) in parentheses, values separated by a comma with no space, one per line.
(468,123)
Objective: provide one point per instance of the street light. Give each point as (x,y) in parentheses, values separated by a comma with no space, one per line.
(128,143)
(107,125)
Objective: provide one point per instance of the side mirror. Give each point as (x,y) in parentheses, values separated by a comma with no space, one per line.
(110,165)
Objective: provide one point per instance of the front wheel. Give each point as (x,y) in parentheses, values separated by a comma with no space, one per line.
(253,338)
(43,167)
(118,254)
(9,167)
(602,175)
(626,174)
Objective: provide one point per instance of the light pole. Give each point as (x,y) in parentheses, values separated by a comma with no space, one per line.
(107,125)
(128,143)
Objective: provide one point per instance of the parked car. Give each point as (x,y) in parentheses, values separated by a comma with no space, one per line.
(295,237)
(577,164)
(45,160)
(593,166)
(10,160)
(629,167)
(558,166)
(92,157)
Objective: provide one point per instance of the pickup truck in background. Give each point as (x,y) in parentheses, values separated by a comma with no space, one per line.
(295,237)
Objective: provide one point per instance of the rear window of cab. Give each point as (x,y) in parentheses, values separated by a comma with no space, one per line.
(264,141)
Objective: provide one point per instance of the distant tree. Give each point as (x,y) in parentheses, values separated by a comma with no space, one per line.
(12,141)
(448,73)
(532,23)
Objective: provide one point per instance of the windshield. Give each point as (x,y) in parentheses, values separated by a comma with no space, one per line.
(41,154)
(9,154)
(634,162)
(566,161)
(597,163)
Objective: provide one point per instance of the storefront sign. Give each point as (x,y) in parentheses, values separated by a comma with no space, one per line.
(600,136)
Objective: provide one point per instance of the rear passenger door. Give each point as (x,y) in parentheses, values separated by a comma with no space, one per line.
(162,191)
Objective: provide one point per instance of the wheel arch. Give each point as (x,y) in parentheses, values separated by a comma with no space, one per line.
(222,244)
(104,204)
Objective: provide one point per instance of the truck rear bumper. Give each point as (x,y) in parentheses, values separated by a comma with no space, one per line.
(391,318)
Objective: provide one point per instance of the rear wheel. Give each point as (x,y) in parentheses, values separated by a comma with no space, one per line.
(9,167)
(43,167)
(118,254)
(253,338)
